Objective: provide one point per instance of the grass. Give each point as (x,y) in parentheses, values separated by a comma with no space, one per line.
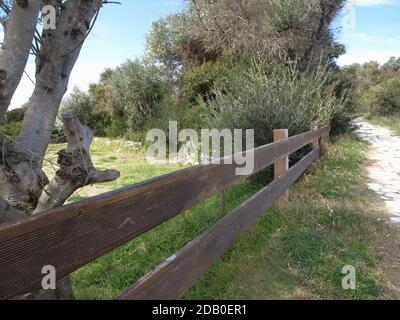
(297,252)
(300,251)
(111,274)
(113,154)
(392,122)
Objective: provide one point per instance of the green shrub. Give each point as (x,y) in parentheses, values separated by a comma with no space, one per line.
(201,80)
(344,86)
(265,100)
(136,91)
(16,115)
(80,104)
(116,128)
(386,101)
(83,105)
(282,98)
(11,129)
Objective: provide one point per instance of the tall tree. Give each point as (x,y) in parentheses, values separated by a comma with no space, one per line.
(298,30)
(24,187)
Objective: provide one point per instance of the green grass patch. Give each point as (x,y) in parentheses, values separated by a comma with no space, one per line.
(392,122)
(297,252)
(109,275)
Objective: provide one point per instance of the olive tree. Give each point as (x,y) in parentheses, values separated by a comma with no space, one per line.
(296,30)
(24,187)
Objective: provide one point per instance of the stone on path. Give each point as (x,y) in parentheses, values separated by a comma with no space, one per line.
(384,170)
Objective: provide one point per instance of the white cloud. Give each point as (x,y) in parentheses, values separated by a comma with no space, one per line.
(393,42)
(362,56)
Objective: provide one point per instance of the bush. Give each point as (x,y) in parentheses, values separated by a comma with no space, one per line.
(136,92)
(11,129)
(265,100)
(80,104)
(281,98)
(83,105)
(16,115)
(386,101)
(201,80)
(345,90)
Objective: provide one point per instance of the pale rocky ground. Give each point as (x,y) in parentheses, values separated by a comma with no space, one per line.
(384,165)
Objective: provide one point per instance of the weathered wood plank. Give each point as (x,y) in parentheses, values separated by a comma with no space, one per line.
(72,236)
(177,274)
(281,166)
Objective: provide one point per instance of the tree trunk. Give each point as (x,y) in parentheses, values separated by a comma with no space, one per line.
(24,187)
(19,31)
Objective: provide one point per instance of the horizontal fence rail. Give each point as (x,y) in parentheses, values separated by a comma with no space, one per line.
(74,235)
(178,273)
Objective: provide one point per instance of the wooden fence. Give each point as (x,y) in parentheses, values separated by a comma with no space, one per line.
(74,235)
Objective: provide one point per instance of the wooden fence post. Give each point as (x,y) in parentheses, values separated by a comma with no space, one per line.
(281,166)
(322,142)
(315,143)
(325,141)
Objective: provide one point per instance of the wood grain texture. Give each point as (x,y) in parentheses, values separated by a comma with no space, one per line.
(281,166)
(72,236)
(177,274)
(315,143)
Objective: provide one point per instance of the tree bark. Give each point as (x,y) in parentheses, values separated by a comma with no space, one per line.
(23,185)
(76,167)
(14,53)
(8,213)
(54,64)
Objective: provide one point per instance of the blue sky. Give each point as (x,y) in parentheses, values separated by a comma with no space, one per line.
(370,29)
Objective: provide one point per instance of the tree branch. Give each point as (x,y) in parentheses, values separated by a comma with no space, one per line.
(8,213)
(76,167)
(14,52)
(54,63)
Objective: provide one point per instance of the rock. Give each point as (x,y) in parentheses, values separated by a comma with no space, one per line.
(375,186)
(131,144)
(383,170)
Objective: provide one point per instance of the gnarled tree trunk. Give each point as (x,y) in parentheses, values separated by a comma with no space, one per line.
(24,187)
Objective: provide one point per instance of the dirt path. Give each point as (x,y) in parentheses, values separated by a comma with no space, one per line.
(384,166)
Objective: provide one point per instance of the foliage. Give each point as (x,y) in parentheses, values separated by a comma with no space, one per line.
(13,125)
(123,102)
(190,62)
(345,90)
(16,115)
(78,103)
(387,99)
(205,30)
(11,129)
(263,99)
(377,87)
(392,65)
(83,106)
(136,91)
(200,81)
(161,41)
